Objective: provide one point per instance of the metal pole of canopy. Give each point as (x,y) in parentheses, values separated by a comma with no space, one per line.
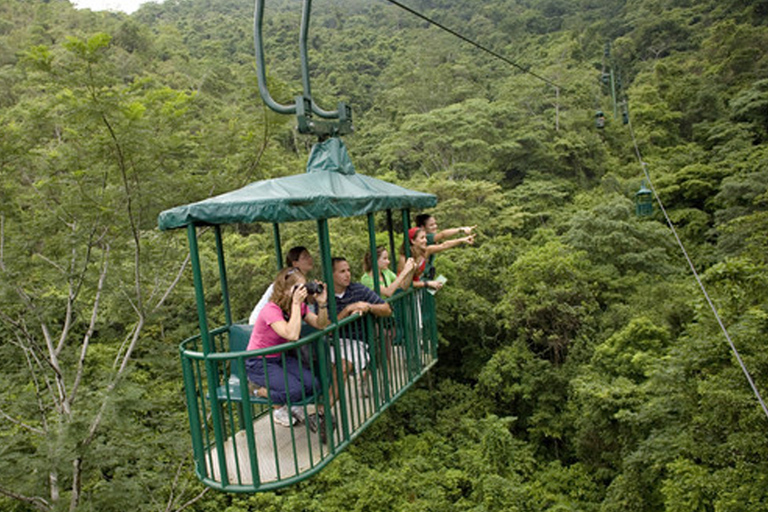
(324,242)
(248,421)
(324,245)
(412,337)
(195,429)
(278,247)
(374,259)
(210,365)
(376,341)
(381,357)
(223,275)
(197,277)
(406,227)
(391,230)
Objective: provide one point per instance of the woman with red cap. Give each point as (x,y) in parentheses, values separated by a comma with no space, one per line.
(420,252)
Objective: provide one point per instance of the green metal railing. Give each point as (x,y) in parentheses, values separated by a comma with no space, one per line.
(237,444)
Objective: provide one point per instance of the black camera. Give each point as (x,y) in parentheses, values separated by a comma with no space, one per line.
(314,288)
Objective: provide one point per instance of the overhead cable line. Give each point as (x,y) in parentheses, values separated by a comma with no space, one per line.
(524,69)
(695,273)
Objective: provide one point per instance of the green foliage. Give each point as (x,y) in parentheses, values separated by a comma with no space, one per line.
(579,368)
(460,141)
(631,352)
(694,185)
(549,301)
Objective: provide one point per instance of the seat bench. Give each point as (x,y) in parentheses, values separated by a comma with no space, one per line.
(239,335)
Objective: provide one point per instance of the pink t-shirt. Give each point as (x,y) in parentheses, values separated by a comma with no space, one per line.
(263,334)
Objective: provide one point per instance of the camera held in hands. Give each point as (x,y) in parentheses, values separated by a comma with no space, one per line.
(314,288)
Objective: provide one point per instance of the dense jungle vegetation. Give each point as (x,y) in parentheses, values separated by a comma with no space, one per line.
(581,368)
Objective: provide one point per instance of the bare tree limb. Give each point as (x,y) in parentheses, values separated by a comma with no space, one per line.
(77,473)
(170,288)
(2,242)
(38,503)
(30,306)
(13,420)
(52,263)
(33,361)
(128,337)
(171,494)
(68,314)
(96,423)
(53,361)
(76,283)
(193,500)
(91,326)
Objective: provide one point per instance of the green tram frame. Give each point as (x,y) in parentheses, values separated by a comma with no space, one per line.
(236,444)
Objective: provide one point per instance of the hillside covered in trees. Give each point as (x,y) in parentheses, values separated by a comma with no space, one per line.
(581,368)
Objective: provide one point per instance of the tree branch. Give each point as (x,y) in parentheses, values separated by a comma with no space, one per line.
(30,357)
(52,263)
(115,381)
(75,284)
(171,496)
(134,228)
(91,326)
(119,354)
(171,287)
(193,500)
(77,471)
(38,503)
(52,358)
(2,242)
(53,361)
(21,423)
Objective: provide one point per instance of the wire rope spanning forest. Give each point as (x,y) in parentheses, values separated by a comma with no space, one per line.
(580,366)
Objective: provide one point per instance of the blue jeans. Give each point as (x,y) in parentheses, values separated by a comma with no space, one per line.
(288,380)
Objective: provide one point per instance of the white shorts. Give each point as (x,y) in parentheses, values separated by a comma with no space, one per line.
(354,351)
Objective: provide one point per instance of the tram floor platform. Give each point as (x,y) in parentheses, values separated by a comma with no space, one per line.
(285,452)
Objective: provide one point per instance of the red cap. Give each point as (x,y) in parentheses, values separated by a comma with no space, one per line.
(412,232)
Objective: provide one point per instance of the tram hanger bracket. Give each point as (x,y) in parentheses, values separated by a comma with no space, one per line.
(308,124)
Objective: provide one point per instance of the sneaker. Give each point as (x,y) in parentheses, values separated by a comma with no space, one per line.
(321,427)
(297,412)
(312,422)
(316,423)
(283,417)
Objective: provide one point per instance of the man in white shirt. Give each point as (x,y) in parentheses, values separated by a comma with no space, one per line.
(298,257)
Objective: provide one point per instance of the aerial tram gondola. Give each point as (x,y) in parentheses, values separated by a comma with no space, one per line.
(237,446)
(643,201)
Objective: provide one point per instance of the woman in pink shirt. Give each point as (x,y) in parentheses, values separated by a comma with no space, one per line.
(280,322)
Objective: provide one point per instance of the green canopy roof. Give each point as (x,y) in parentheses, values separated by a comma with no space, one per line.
(329,188)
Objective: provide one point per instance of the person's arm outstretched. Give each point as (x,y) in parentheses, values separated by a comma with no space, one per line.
(451,232)
(448,244)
